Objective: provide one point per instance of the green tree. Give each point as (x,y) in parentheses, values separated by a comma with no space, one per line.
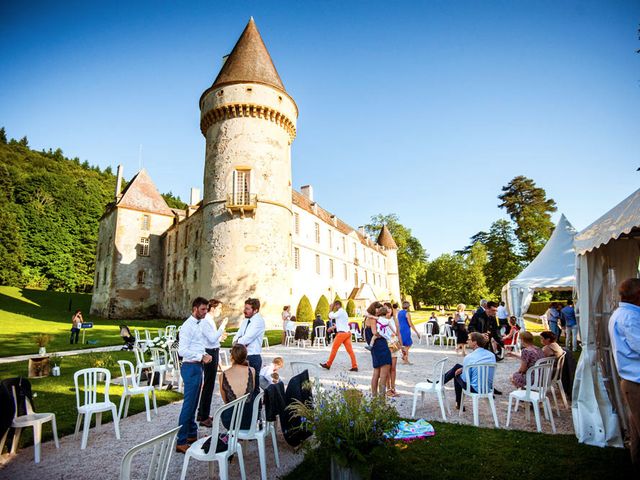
(3,136)
(174,201)
(23,141)
(351,308)
(474,285)
(322,308)
(304,312)
(530,209)
(442,280)
(11,246)
(412,257)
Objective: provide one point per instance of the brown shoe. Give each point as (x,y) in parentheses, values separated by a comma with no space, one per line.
(354,369)
(206,423)
(324,365)
(191,439)
(182,448)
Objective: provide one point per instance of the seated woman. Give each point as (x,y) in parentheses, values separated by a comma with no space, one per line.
(510,337)
(529,355)
(237,381)
(550,346)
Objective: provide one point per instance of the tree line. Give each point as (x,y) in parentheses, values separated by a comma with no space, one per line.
(492,257)
(50,207)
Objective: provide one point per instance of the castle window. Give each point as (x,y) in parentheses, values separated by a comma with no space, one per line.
(175,270)
(344,245)
(296,223)
(241,187)
(146,222)
(104,276)
(317,227)
(366,277)
(346,273)
(185,265)
(175,243)
(195,254)
(97,278)
(355,277)
(197,235)
(296,258)
(143,248)
(331,268)
(330,239)
(195,275)
(99,251)
(142,276)
(318,264)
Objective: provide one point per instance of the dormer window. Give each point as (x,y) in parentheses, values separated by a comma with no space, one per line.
(241,200)
(146,222)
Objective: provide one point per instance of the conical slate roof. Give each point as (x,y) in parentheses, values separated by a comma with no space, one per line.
(142,194)
(249,62)
(385,239)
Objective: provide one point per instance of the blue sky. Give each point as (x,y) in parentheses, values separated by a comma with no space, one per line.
(423,109)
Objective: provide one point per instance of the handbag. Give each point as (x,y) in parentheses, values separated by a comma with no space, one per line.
(393,344)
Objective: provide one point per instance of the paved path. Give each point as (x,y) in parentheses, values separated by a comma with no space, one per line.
(22,358)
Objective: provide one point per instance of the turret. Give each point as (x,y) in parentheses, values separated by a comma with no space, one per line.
(385,240)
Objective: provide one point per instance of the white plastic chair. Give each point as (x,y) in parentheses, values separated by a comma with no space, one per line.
(163,446)
(90,403)
(136,336)
(175,363)
(131,388)
(319,339)
(265,343)
(451,337)
(260,435)
(538,380)
(141,363)
(30,419)
(427,334)
(161,364)
(223,356)
(515,344)
(197,452)
(312,368)
(170,331)
(441,337)
(436,387)
(485,373)
(556,381)
(290,338)
(357,336)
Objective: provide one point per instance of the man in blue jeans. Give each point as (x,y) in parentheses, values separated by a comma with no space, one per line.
(250,334)
(568,316)
(191,349)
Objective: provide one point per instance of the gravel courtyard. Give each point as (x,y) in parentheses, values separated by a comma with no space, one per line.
(104,453)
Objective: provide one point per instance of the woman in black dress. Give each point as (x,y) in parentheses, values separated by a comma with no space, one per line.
(380,353)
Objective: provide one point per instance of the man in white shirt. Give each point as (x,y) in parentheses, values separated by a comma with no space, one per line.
(476,342)
(212,335)
(343,336)
(250,334)
(503,317)
(191,349)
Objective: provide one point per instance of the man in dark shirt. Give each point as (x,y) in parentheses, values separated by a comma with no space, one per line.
(479,320)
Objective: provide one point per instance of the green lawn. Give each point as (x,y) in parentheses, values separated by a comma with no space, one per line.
(26,313)
(57,394)
(466,452)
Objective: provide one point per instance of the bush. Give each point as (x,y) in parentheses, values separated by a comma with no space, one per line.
(304,312)
(322,308)
(351,308)
(337,298)
(538,308)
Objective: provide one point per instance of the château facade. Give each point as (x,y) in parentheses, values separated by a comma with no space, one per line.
(251,234)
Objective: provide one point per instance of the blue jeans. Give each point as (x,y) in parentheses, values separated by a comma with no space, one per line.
(192,378)
(553,326)
(255,362)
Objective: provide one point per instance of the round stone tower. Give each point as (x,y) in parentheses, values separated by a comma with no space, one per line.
(249,122)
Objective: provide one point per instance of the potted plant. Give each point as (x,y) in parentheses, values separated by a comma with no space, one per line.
(42,340)
(349,424)
(101,360)
(56,361)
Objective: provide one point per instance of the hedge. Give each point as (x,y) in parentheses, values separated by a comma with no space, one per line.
(539,308)
(304,312)
(322,308)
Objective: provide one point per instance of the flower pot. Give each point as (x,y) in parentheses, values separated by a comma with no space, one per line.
(55,371)
(42,351)
(101,376)
(338,472)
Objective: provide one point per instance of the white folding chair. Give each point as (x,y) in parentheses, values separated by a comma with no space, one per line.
(290,338)
(484,373)
(131,388)
(538,380)
(515,344)
(299,367)
(163,446)
(30,419)
(161,364)
(319,339)
(90,404)
(556,381)
(175,363)
(197,452)
(427,335)
(436,387)
(260,435)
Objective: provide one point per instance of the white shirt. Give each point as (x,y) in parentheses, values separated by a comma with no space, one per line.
(624,332)
(250,334)
(191,346)
(341,318)
(386,327)
(502,312)
(290,326)
(210,332)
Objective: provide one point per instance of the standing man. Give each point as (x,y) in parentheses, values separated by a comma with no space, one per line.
(492,330)
(250,334)
(343,335)
(503,317)
(191,349)
(624,332)
(212,334)
(568,314)
(479,320)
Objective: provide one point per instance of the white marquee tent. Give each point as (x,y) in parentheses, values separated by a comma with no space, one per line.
(608,252)
(552,269)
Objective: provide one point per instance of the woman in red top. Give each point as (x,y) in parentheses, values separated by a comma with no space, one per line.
(510,337)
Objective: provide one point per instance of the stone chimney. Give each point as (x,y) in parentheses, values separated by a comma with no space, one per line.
(195,196)
(362,231)
(118,192)
(307,191)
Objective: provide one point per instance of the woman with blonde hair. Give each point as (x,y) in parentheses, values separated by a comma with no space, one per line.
(460,328)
